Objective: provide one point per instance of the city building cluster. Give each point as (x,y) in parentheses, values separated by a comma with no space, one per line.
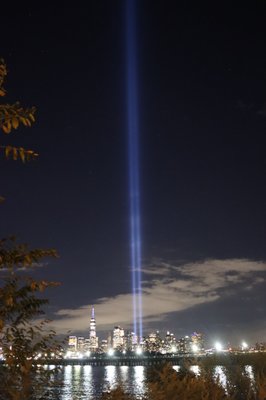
(125,341)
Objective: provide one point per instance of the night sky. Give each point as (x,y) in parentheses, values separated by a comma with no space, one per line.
(202,119)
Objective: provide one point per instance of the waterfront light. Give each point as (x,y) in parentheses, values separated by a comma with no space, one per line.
(218,346)
(173,349)
(110,352)
(138,351)
(68,354)
(244,346)
(195,348)
(88,353)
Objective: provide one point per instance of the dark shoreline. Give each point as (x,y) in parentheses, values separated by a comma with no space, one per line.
(229,359)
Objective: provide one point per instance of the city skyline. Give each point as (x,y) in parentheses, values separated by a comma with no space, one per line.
(122,340)
(201,101)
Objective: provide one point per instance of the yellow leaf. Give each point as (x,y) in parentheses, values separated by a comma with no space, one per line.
(7,151)
(9,126)
(23,120)
(22,154)
(33,285)
(5,128)
(32,117)
(15,123)
(9,301)
(15,153)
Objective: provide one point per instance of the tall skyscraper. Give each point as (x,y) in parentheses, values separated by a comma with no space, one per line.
(118,337)
(93,337)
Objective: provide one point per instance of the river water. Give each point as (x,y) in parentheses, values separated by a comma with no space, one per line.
(89,382)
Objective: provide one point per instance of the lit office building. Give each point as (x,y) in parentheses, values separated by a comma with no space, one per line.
(130,341)
(153,342)
(118,337)
(104,346)
(169,342)
(109,340)
(87,344)
(184,345)
(72,343)
(81,343)
(197,343)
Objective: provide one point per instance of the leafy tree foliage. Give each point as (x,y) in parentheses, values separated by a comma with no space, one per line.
(117,394)
(168,384)
(24,335)
(11,116)
(25,338)
(164,383)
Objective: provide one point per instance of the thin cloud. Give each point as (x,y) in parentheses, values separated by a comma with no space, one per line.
(168,288)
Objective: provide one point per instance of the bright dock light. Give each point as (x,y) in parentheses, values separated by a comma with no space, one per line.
(195,348)
(173,349)
(110,352)
(244,345)
(218,346)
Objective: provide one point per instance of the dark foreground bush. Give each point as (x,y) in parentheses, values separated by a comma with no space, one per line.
(167,384)
(117,394)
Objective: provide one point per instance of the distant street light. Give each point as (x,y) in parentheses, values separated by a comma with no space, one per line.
(244,346)
(110,352)
(218,346)
(173,349)
(195,348)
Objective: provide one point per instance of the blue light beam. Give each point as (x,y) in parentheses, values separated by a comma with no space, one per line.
(134,178)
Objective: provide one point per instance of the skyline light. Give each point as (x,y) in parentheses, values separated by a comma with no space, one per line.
(133,157)
(123,340)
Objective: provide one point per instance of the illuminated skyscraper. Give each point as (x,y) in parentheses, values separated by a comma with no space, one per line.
(81,343)
(72,343)
(93,337)
(169,342)
(184,345)
(153,342)
(197,343)
(118,337)
(130,341)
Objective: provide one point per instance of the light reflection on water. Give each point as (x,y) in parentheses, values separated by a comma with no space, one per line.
(195,369)
(220,375)
(139,377)
(250,373)
(111,377)
(89,382)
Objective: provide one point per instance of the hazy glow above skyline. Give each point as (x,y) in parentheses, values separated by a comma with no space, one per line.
(134,184)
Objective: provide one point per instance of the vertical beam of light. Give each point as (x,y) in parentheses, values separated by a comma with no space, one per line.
(133,151)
